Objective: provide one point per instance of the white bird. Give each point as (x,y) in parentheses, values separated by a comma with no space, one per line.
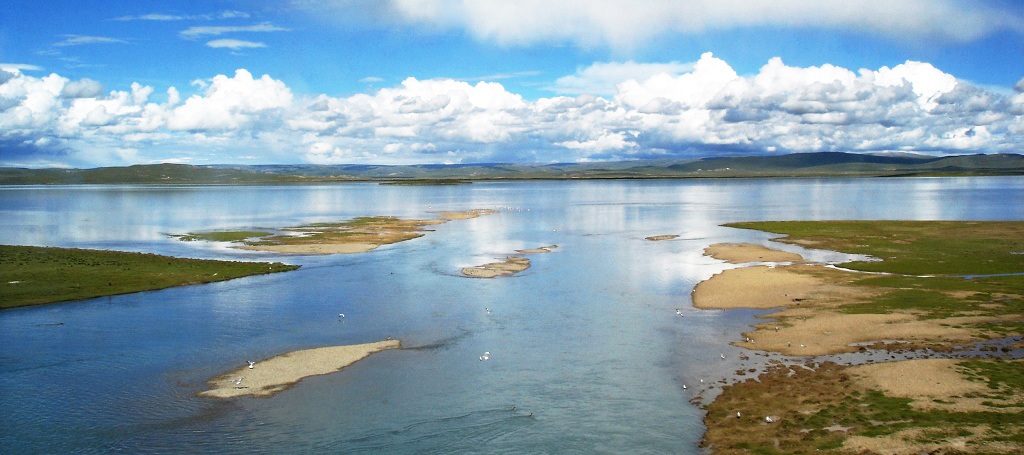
(488,310)
(769,419)
(684,386)
(341,315)
(722,356)
(238,381)
(251,364)
(679,312)
(738,414)
(702,381)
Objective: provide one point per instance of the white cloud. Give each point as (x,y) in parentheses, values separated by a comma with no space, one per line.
(602,78)
(231,103)
(206,30)
(704,107)
(82,40)
(234,44)
(19,67)
(625,24)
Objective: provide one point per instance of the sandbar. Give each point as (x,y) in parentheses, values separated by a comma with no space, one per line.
(741,253)
(543,249)
(509,266)
(358,235)
(273,375)
(656,238)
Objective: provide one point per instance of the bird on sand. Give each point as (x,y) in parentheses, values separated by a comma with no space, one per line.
(238,381)
(251,364)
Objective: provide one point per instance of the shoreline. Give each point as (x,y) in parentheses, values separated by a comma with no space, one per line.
(268,377)
(840,405)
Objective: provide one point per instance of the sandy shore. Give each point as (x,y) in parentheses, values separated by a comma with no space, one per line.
(270,376)
(808,297)
(741,253)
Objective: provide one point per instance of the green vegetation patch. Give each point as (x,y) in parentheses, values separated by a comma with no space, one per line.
(913,247)
(926,264)
(32,275)
(222,236)
(817,409)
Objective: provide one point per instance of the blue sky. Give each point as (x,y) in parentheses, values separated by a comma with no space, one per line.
(447,81)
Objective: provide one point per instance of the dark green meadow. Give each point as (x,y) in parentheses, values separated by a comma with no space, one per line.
(31,275)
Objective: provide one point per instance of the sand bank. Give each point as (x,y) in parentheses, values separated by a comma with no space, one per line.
(358,235)
(656,238)
(543,249)
(509,266)
(741,253)
(270,376)
(809,297)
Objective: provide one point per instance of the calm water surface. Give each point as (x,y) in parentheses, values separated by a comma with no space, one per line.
(587,353)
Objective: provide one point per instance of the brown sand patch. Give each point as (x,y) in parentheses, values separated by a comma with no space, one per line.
(819,332)
(740,253)
(509,266)
(924,381)
(465,214)
(356,236)
(656,238)
(543,249)
(275,374)
(754,287)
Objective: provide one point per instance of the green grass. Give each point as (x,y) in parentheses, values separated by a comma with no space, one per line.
(913,247)
(927,260)
(221,236)
(32,275)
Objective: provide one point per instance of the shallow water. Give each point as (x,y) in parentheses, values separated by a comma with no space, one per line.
(587,352)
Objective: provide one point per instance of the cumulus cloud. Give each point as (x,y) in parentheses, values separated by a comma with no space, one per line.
(698,108)
(602,78)
(628,24)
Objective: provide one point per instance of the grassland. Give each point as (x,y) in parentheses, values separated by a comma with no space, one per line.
(32,275)
(962,276)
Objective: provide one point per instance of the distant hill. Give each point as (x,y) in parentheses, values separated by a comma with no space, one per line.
(789,165)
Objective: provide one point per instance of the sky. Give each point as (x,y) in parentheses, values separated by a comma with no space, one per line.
(122,82)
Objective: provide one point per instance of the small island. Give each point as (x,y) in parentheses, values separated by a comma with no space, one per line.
(511,265)
(266,378)
(32,275)
(358,235)
(938,288)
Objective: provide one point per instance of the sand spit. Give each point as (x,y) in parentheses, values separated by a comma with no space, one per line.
(741,253)
(657,238)
(268,377)
(511,265)
(466,214)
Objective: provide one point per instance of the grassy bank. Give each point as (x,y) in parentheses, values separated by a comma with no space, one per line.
(962,276)
(32,275)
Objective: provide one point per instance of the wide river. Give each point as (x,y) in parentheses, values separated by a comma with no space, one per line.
(587,353)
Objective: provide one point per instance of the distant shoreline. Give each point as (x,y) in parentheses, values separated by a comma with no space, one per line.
(793,165)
